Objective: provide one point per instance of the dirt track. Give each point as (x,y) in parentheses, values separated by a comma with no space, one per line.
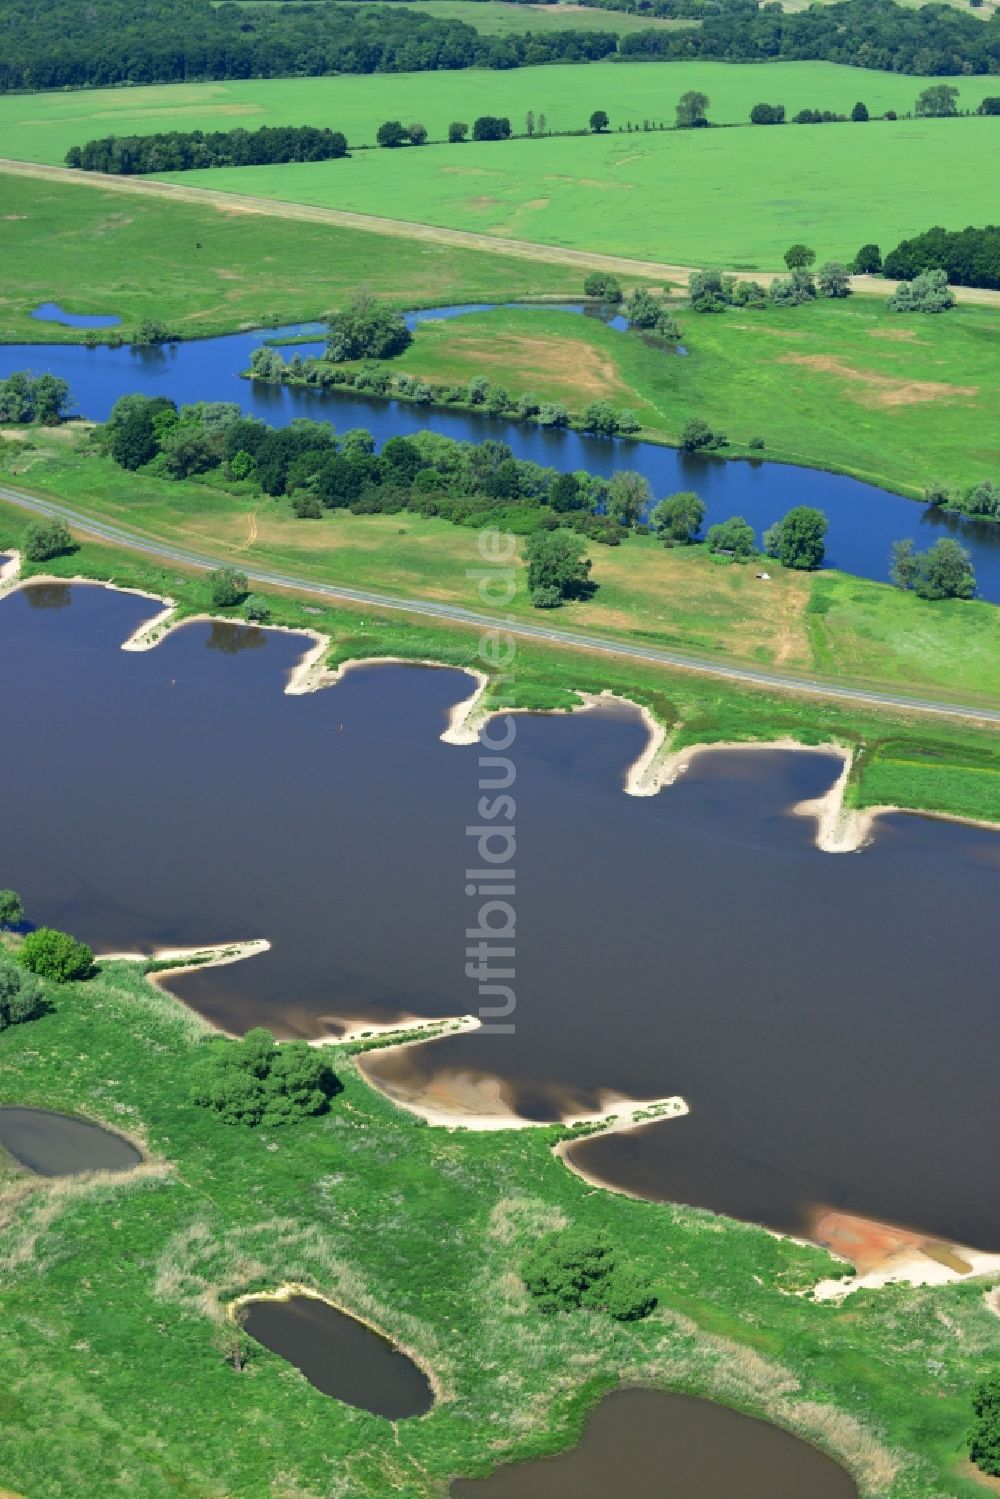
(462,239)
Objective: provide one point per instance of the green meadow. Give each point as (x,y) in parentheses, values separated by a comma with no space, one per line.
(733,198)
(41,127)
(96,251)
(496,18)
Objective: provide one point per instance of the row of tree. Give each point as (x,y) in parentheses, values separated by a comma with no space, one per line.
(189,150)
(51,44)
(969,257)
(33,398)
(937,102)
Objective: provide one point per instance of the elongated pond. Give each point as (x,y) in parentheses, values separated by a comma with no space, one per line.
(51,1144)
(639,1444)
(864,520)
(340,1356)
(832,1021)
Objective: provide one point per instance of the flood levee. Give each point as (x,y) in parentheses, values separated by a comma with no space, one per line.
(640,1443)
(52,1144)
(340,1356)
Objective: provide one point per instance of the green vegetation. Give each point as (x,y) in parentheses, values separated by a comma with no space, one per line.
(30,398)
(11,908)
(416,1229)
(572,1268)
(20,994)
(943,571)
(557,568)
(228,587)
(797,540)
(897,399)
(42,127)
(507,17)
(46,538)
(181,150)
(92,250)
(367,330)
(55,955)
(254,1081)
(984,1445)
(928,292)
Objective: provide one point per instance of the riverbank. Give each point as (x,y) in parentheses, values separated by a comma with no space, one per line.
(233,1220)
(899,760)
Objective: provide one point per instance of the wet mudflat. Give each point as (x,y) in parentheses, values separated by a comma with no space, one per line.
(340,1356)
(51,1144)
(830,1020)
(644,1444)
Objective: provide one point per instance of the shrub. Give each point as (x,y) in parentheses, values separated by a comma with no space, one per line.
(11,908)
(256,608)
(984,1438)
(457,131)
(756,444)
(367,330)
(767,114)
(698,435)
(600,417)
(491,128)
(577,1267)
(46,538)
(392,133)
(20,995)
(601,284)
(928,292)
(859,112)
(710,291)
(55,955)
(228,587)
(793,290)
(255,1081)
(733,537)
(834,279)
(868,261)
(553,414)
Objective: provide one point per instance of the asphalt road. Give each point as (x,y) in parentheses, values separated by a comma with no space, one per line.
(425,608)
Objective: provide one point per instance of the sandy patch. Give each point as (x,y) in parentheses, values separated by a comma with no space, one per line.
(880,390)
(884,1255)
(966,1468)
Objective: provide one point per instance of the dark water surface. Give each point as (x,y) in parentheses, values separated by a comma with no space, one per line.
(832,1021)
(644,1444)
(58,1145)
(341,1356)
(864,520)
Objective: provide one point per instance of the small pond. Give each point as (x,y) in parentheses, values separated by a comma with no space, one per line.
(646,1444)
(51,312)
(51,1144)
(341,1356)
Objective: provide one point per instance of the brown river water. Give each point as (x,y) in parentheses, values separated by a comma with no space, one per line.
(831,1020)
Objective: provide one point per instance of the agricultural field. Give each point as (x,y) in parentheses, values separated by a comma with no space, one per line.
(42,127)
(732,198)
(495,18)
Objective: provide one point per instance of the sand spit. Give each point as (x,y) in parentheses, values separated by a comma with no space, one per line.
(188,958)
(885,1255)
(411,1031)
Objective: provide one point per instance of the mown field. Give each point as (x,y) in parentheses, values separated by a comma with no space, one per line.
(203,271)
(113,1288)
(733,198)
(842,628)
(41,127)
(901,400)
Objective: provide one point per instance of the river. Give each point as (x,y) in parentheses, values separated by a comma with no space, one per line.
(831,1020)
(864,520)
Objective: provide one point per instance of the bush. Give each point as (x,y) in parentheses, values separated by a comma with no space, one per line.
(859,112)
(600,417)
(710,291)
(577,1267)
(11,908)
(46,538)
(55,955)
(793,290)
(984,1438)
(734,538)
(392,133)
(928,292)
(228,587)
(491,128)
(254,1081)
(944,571)
(601,284)
(767,114)
(20,995)
(834,279)
(256,608)
(868,261)
(367,330)
(457,131)
(698,435)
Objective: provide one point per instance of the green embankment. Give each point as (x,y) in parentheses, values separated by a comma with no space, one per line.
(203,271)
(902,400)
(111,1369)
(908,760)
(42,127)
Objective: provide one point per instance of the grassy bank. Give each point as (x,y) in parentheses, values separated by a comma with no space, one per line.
(42,127)
(734,198)
(113,1380)
(898,399)
(905,760)
(94,252)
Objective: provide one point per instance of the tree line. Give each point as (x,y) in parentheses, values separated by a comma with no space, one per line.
(876,34)
(969,257)
(188,150)
(50,44)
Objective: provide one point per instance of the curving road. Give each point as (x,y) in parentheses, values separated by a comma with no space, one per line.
(654,655)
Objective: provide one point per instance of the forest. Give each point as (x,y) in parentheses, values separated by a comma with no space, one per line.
(971,257)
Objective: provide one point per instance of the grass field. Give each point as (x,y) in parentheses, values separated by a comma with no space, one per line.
(841,627)
(734,198)
(41,127)
(897,399)
(93,251)
(111,1295)
(495,18)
